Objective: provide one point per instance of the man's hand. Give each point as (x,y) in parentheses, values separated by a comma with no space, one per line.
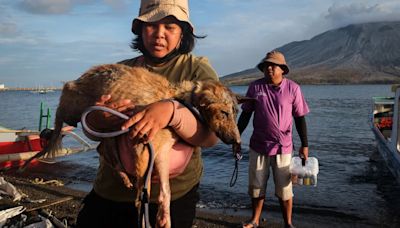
(303,153)
(237,151)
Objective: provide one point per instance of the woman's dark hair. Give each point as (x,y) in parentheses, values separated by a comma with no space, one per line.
(187,42)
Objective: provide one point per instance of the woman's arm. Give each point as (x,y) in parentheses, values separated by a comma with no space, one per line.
(190,129)
(158,115)
(148,122)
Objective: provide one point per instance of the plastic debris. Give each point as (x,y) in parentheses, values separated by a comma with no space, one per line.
(49,182)
(9,213)
(53,219)
(28,200)
(45,223)
(9,189)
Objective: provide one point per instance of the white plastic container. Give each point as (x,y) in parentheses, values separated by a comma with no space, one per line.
(304,175)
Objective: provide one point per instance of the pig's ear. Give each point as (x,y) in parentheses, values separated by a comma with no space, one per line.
(242,99)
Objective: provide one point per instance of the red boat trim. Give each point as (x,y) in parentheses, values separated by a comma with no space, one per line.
(20,146)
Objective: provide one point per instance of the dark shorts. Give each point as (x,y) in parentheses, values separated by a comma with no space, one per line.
(100,212)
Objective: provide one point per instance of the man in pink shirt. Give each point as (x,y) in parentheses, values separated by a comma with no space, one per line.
(277,100)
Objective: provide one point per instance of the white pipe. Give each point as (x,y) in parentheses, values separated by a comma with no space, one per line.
(29,154)
(17,156)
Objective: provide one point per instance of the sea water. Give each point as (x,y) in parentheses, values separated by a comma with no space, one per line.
(350,184)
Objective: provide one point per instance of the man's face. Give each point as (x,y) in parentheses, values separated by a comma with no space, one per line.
(273,72)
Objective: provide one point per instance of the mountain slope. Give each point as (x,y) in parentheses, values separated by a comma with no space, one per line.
(362,53)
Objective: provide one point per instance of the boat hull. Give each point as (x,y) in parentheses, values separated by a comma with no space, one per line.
(390,155)
(20,146)
(17,146)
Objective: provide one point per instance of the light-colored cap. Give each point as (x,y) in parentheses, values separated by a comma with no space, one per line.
(274,57)
(155,10)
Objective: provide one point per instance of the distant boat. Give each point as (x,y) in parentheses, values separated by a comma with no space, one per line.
(42,90)
(385,125)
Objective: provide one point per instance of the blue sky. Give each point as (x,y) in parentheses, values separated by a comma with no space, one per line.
(45,42)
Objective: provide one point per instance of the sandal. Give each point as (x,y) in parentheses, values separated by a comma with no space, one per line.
(253,224)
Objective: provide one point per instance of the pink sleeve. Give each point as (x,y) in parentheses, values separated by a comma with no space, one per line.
(191,130)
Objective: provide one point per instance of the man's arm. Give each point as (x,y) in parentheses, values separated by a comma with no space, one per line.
(301,128)
(243,121)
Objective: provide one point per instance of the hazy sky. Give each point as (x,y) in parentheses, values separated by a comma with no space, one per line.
(45,42)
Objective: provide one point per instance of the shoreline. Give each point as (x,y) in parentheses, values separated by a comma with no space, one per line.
(68,209)
(51,88)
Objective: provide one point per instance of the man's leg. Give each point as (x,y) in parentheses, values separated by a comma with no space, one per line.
(258,177)
(286,208)
(257,205)
(283,185)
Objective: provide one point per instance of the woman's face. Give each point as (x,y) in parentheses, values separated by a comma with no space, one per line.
(161,37)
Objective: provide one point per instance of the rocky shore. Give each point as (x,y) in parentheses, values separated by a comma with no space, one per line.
(64,203)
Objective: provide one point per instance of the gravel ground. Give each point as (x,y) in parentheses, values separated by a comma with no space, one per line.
(64,204)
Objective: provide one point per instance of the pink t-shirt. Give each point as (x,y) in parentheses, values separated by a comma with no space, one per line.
(274,108)
(180,155)
(182,122)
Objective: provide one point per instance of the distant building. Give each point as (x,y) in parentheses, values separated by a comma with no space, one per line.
(2,86)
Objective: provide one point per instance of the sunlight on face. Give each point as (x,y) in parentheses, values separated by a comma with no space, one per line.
(161,37)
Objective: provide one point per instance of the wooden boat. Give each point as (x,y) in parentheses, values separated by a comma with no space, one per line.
(16,146)
(385,125)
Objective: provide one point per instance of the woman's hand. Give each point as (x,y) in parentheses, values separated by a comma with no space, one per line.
(106,121)
(146,123)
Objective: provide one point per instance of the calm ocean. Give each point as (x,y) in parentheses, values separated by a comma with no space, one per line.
(350,184)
